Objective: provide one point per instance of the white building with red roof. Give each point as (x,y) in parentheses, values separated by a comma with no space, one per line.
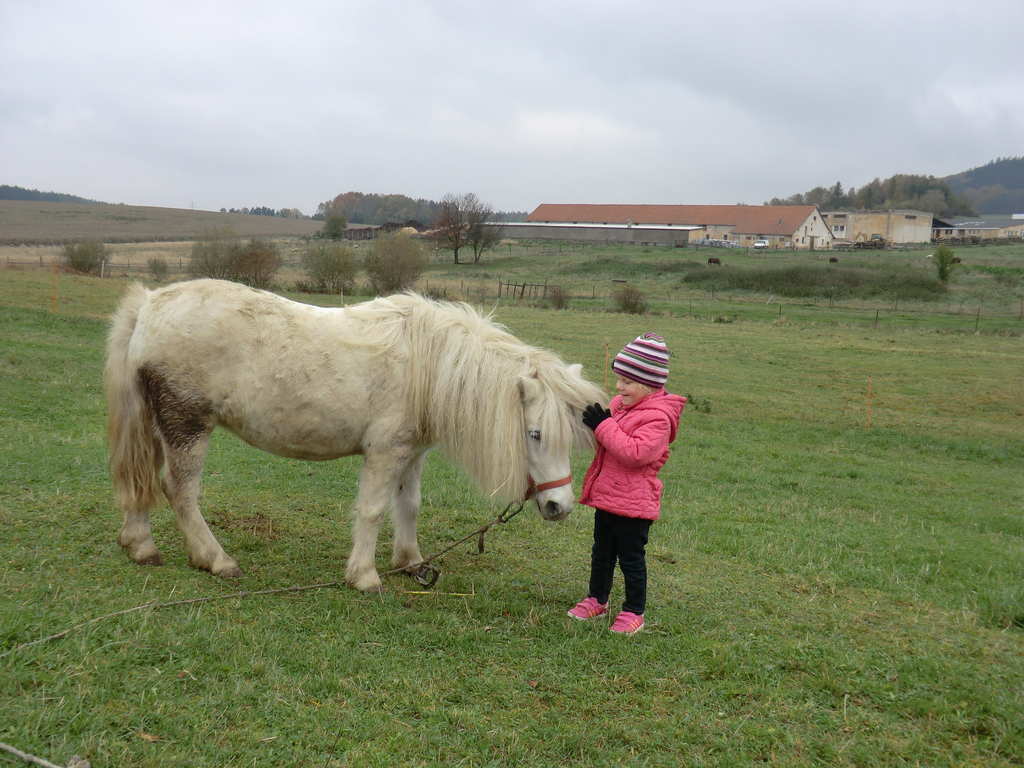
(782,226)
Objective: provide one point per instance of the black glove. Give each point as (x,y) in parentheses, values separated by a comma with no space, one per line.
(595,414)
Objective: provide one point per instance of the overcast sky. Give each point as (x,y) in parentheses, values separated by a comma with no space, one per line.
(287,104)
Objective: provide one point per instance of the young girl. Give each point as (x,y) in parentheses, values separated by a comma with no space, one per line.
(622,482)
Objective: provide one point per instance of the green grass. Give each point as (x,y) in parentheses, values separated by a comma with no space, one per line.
(822,592)
(898,284)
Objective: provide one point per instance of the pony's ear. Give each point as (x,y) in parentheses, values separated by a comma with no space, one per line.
(529,389)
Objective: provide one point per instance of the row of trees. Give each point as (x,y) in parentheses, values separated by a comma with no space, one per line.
(460,222)
(263,210)
(362,208)
(923,193)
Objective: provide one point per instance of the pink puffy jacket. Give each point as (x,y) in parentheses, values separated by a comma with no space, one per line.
(631,447)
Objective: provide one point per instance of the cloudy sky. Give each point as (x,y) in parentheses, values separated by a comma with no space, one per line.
(287,104)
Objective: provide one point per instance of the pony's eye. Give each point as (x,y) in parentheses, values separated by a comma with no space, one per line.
(534,434)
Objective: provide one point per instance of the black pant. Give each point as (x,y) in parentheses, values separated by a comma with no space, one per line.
(624,539)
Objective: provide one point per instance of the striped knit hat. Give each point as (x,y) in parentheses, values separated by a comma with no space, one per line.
(644,360)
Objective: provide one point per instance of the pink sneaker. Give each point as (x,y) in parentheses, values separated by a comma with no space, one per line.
(588,608)
(627,623)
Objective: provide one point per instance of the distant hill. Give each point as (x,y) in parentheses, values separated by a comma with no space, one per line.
(997,187)
(8,192)
(30,222)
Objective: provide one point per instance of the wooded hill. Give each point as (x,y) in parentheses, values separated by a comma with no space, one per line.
(7,192)
(921,193)
(997,187)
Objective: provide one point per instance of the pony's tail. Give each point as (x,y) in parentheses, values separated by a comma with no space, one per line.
(134,449)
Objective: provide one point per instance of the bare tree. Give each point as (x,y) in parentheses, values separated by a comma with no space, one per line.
(461,223)
(479,235)
(451,221)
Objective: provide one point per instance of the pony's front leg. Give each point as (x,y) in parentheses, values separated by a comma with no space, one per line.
(406,550)
(377,482)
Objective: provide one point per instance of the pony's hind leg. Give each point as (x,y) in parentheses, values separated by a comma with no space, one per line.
(406,550)
(136,499)
(136,537)
(182,484)
(184,423)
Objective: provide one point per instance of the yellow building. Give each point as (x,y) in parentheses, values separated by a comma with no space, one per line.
(895,226)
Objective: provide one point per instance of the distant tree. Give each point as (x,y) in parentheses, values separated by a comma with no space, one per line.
(394,263)
(452,222)
(334,225)
(479,236)
(944,262)
(461,223)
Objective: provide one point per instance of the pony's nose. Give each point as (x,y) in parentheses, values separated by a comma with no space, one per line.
(552,510)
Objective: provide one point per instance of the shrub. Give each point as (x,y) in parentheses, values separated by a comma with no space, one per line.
(221,256)
(629,299)
(158,268)
(330,268)
(212,255)
(944,262)
(257,262)
(807,281)
(557,298)
(85,257)
(394,263)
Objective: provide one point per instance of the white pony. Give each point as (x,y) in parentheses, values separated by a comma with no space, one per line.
(386,379)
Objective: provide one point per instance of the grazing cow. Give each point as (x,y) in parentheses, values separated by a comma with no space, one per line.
(833,259)
(715,260)
(956,259)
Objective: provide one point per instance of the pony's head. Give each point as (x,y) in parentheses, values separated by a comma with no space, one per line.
(510,414)
(552,404)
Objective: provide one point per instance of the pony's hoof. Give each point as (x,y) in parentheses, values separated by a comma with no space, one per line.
(231,572)
(370,585)
(144,554)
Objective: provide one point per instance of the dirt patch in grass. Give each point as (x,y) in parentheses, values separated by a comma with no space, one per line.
(259,525)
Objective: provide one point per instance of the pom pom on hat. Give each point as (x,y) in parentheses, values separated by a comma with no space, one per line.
(644,360)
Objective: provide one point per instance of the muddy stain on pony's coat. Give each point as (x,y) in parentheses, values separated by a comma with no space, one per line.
(386,379)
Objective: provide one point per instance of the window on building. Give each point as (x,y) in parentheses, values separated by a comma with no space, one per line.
(909,217)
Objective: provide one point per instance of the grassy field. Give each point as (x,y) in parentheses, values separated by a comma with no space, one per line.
(24,222)
(838,577)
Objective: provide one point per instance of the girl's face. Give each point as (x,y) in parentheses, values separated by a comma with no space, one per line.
(632,392)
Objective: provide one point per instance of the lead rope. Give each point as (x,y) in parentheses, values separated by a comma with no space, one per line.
(426,573)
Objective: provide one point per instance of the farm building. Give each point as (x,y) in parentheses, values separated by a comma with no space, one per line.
(987,227)
(635,234)
(782,226)
(895,226)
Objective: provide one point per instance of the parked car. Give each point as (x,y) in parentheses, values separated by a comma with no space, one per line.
(761,244)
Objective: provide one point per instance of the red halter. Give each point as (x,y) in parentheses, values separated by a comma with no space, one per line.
(532,489)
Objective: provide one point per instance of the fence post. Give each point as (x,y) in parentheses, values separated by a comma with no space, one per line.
(876,318)
(977,319)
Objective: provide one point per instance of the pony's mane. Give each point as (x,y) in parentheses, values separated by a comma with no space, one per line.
(463,387)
